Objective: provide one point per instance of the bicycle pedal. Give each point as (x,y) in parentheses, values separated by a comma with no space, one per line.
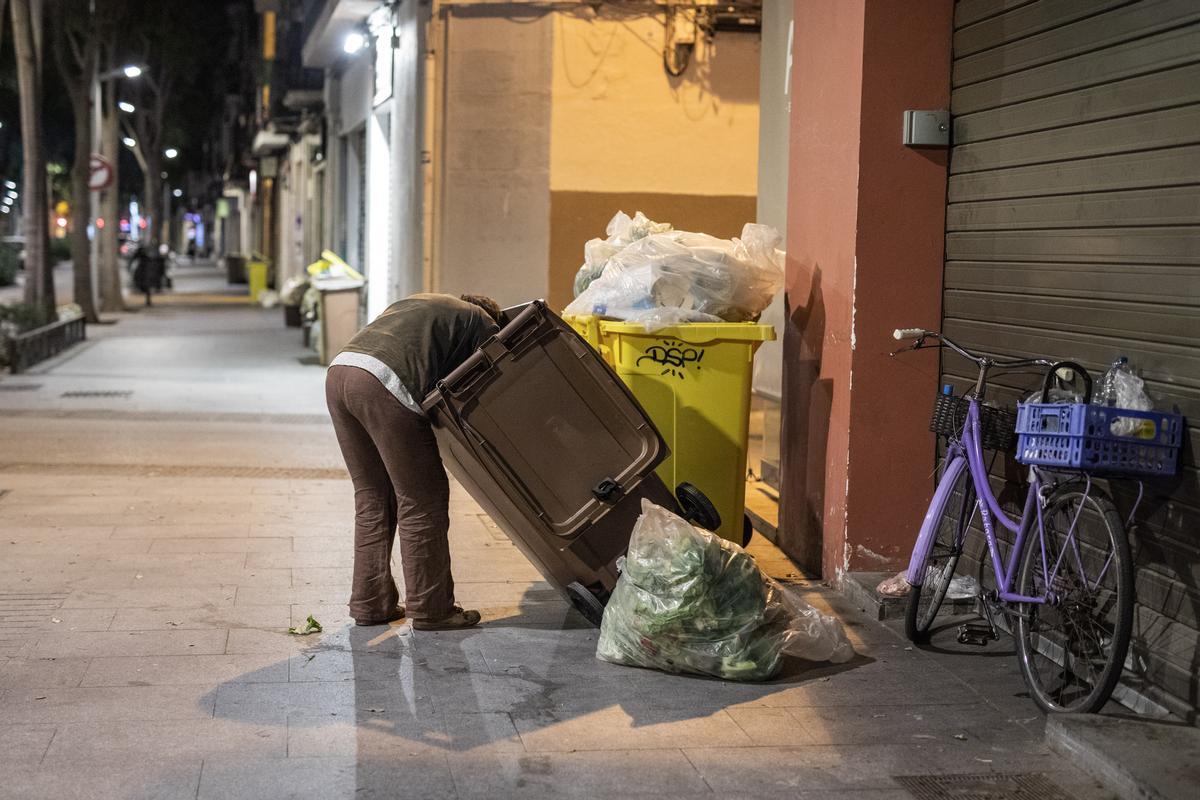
(978,635)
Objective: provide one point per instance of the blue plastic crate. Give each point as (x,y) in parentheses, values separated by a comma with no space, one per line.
(1079,436)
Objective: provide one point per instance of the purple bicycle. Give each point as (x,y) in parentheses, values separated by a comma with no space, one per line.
(1065,584)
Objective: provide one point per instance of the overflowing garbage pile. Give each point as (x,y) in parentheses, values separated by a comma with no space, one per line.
(648,272)
(689,601)
(293,289)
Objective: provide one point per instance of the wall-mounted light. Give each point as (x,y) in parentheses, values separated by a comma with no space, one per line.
(354,42)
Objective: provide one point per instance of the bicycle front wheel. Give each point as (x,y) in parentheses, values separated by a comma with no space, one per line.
(1072,647)
(953,521)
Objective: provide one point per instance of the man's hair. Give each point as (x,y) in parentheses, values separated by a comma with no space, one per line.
(486,303)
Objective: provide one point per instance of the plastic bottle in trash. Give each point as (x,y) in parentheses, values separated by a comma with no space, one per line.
(1107,394)
(1121,388)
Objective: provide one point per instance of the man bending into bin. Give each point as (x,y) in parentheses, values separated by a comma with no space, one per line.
(373,389)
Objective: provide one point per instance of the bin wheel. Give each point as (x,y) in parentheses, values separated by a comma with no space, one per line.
(747,530)
(696,507)
(586,603)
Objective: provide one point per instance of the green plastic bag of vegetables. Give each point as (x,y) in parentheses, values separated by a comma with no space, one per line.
(690,601)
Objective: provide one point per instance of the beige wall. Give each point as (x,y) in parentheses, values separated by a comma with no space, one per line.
(552,126)
(624,135)
(619,123)
(494,216)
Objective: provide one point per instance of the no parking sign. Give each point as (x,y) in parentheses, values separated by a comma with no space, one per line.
(100,174)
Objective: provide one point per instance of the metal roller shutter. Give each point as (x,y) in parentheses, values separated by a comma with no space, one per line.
(1073,231)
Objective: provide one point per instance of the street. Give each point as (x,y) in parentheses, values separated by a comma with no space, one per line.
(172,500)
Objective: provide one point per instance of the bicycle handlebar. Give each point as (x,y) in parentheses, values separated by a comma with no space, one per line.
(921,334)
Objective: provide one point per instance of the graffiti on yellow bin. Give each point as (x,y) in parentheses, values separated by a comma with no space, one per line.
(674,357)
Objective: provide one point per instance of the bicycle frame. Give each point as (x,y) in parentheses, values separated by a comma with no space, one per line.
(967,453)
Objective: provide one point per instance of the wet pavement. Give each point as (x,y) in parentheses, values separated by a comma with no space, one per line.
(172,500)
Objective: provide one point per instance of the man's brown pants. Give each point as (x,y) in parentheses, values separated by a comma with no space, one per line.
(399,486)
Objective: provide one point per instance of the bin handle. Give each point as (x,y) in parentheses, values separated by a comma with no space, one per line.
(493,349)
(519,339)
(467,381)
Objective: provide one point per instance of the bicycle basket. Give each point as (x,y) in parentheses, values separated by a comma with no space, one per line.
(997,425)
(1080,436)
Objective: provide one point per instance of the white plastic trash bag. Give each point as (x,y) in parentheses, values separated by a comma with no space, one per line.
(622,230)
(690,601)
(699,277)
(292,291)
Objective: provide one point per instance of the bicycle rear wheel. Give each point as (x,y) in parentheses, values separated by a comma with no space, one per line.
(953,520)
(1072,647)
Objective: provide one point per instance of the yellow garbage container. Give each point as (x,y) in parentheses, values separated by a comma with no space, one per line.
(694,382)
(256,275)
(588,326)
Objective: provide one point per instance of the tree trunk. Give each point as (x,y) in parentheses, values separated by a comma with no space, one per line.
(111,298)
(39,277)
(81,255)
(153,202)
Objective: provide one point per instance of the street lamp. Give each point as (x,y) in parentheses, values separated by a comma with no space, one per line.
(128,108)
(129,142)
(123,71)
(354,42)
(170,152)
(177,193)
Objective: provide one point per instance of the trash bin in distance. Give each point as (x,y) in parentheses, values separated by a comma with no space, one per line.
(338,314)
(256,277)
(694,381)
(235,268)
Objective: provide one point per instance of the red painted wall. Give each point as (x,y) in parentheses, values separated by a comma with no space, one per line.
(826,93)
(865,250)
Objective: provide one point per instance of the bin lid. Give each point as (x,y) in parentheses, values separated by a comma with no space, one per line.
(335,284)
(548,421)
(696,332)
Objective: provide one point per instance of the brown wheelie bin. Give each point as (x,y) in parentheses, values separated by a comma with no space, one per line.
(546,438)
